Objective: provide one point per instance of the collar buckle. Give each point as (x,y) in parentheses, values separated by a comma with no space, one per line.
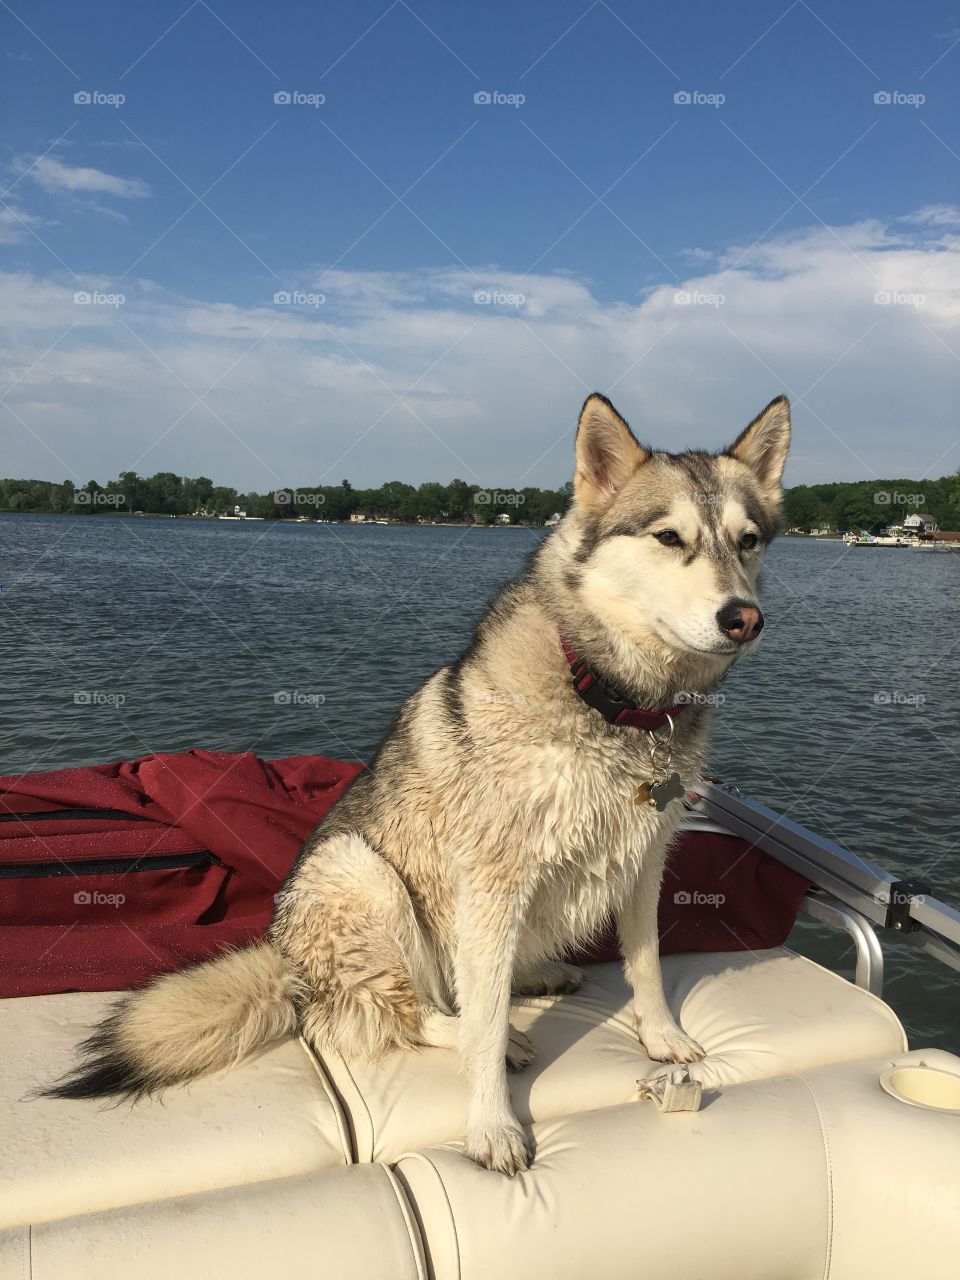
(614,708)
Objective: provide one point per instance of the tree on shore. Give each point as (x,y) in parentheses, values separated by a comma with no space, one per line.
(872,504)
(862,504)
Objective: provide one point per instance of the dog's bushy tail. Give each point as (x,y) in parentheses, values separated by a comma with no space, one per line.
(186,1024)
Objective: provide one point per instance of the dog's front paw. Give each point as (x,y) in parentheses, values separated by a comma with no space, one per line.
(502,1147)
(520,1051)
(669,1043)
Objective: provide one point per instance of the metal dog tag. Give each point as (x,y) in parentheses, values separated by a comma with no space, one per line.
(662,787)
(660,793)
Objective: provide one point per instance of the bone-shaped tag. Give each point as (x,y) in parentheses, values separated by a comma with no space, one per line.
(661,793)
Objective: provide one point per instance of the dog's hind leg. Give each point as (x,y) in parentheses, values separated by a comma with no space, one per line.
(444,1031)
(548,978)
(347,924)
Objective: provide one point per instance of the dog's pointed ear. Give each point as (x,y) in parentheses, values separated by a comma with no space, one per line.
(763,445)
(607,454)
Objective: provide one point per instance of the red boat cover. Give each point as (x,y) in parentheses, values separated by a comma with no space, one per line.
(122,920)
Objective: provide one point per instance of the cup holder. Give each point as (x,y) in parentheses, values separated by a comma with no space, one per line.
(922,1086)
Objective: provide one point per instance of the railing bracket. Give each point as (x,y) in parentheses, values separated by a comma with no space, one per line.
(903,895)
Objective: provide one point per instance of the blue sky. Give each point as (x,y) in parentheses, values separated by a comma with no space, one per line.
(692,258)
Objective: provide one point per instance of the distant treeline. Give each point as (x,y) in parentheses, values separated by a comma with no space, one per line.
(169,494)
(861,504)
(872,504)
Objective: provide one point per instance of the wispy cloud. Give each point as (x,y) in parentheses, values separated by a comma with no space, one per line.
(436,373)
(14,224)
(55,176)
(936,215)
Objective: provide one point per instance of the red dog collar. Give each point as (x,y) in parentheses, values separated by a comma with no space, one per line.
(617,710)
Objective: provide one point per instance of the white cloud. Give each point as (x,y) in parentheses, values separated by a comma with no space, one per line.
(936,215)
(404,375)
(55,176)
(14,224)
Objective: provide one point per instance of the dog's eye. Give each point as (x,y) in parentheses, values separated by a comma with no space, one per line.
(749,541)
(669,538)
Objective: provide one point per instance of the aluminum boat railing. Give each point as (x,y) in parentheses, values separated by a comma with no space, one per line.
(851,893)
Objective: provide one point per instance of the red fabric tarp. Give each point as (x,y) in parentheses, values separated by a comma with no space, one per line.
(115,926)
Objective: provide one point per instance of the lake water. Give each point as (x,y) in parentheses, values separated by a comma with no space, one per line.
(288,639)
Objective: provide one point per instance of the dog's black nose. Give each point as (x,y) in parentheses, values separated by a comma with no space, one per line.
(740,621)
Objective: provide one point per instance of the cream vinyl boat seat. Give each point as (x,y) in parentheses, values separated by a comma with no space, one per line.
(797,1164)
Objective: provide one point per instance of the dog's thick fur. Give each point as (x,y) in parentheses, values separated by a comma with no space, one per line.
(497,824)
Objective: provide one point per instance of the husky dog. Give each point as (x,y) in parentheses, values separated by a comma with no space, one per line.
(499,822)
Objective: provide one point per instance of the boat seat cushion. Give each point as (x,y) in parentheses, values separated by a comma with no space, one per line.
(816,1174)
(345,1224)
(283,1113)
(757,1014)
(273,1116)
(622,1192)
